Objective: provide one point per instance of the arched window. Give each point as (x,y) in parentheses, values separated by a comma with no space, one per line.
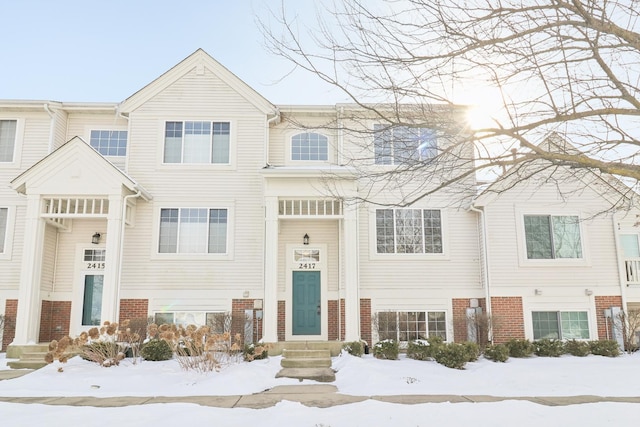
(309,146)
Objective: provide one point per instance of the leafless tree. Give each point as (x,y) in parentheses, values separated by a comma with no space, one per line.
(562,78)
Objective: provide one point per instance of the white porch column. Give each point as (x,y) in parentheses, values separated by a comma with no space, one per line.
(111,284)
(270,312)
(351,276)
(29,305)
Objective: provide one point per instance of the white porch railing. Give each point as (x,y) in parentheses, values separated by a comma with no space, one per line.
(632,268)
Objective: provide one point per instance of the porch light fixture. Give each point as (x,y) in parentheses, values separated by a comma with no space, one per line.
(305,239)
(95,239)
(538,291)
(588,292)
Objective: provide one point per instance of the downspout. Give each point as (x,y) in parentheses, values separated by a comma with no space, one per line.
(485,258)
(52,116)
(121,255)
(621,274)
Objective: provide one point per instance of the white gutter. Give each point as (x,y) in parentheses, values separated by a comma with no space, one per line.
(486,276)
(52,116)
(121,255)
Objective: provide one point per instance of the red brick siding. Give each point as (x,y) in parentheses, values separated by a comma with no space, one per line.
(238,307)
(460,306)
(332,308)
(508,318)
(282,314)
(603,302)
(131,309)
(365,320)
(55,318)
(10,314)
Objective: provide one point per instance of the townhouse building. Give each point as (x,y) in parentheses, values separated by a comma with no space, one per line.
(196,198)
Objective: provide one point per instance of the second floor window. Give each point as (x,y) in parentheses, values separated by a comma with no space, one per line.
(403,145)
(197,142)
(408,231)
(309,146)
(7,140)
(552,237)
(193,230)
(109,142)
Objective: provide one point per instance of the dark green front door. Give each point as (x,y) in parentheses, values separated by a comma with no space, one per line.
(306,303)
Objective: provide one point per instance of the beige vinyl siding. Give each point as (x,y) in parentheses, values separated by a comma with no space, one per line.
(511,272)
(10,268)
(35,141)
(48,259)
(60,129)
(237,187)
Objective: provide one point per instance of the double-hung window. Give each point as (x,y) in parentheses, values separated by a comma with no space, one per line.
(109,142)
(408,231)
(4,215)
(193,231)
(552,236)
(197,142)
(309,146)
(403,145)
(404,326)
(7,140)
(566,325)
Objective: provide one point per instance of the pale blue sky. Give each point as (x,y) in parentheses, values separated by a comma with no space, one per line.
(106,50)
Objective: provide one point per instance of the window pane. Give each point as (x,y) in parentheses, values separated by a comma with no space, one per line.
(629,244)
(432,231)
(163,318)
(218,322)
(403,144)
(545,325)
(168,241)
(4,213)
(566,237)
(537,230)
(385,231)
(192,231)
(92,302)
(309,146)
(217,231)
(109,142)
(382,145)
(387,325)
(197,142)
(437,324)
(409,231)
(173,142)
(575,325)
(221,141)
(7,139)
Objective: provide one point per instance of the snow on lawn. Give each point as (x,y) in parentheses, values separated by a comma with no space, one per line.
(366,376)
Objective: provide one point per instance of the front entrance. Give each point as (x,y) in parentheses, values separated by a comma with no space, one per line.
(92,301)
(306,303)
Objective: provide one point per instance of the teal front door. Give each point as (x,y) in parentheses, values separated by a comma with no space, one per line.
(306,303)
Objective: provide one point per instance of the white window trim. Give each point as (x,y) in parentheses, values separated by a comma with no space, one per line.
(195,256)
(426,308)
(528,309)
(17,144)
(521,239)
(109,127)
(233,143)
(373,247)
(394,166)
(9,233)
(289,141)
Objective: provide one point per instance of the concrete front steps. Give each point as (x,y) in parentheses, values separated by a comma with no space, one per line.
(30,356)
(307,363)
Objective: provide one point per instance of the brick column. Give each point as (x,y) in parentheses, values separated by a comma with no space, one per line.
(10,313)
(603,302)
(508,318)
(55,318)
(365,320)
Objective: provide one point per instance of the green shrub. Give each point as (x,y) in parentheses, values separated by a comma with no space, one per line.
(472,349)
(354,348)
(452,355)
(519,348)
(156,350)
(608,348)
(419,350)
(548,348)
(577,348)
(497,352)
(387,349)
(253,352)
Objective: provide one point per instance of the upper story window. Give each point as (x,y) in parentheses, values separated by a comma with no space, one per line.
(552,237)
(309,146)
(197,142)
(402,145)
(7,140)
(193,230)
(109,142)
(408,231)
(4,214)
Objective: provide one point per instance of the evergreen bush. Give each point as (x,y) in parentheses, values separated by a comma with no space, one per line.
(419,350)
(156,350)
(387,349)
(608,348)
(577,348)
(548,348)
(519,347)
(354,348)
(452,355)
(472,349)
(497,352)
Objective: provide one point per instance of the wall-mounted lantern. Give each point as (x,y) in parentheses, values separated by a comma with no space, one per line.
(95,239)
(305,239)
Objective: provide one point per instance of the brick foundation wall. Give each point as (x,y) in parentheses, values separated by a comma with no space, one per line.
(603,302)
(342,319)
(131,309)
(10,314)
(460,306)
(365,320)
(238,309)
(332,309)
(508,318)
(281,320)
(55,318)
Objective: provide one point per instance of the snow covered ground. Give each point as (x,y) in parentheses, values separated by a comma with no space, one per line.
(366,376)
